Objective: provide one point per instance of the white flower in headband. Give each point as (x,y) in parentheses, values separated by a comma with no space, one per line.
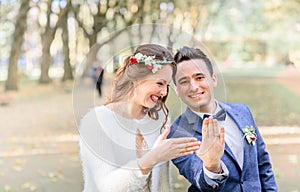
(150,61)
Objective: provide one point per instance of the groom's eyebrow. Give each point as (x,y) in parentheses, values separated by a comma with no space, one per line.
(198,74)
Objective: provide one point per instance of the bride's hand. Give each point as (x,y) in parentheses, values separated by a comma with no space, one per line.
(166,149)
(171,148)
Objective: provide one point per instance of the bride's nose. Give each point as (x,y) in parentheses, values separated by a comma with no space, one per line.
(163,91)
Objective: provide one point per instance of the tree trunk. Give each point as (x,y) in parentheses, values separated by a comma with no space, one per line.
(68,72)
(12,78)
(46,58)
(48,38)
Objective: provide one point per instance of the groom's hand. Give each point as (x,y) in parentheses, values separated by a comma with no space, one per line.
(212,146)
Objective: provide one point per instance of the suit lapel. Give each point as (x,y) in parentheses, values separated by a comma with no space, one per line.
(194,120)
(239,120)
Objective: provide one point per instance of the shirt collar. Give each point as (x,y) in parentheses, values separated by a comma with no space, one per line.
(202,114)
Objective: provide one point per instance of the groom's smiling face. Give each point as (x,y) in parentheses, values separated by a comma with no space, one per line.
(194,85)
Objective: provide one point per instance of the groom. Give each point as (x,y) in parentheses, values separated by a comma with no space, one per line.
(242,164)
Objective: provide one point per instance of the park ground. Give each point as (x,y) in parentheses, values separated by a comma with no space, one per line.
(39,141)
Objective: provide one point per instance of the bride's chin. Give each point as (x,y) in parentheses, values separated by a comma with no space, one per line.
(150,105)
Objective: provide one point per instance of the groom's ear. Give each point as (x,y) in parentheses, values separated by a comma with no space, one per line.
(215,80)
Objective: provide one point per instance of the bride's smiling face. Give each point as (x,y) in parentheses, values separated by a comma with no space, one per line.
(154,86)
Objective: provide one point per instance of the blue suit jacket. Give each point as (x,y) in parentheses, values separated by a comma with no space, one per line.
(256,175)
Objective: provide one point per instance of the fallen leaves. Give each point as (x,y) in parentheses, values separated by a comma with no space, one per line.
(29,186)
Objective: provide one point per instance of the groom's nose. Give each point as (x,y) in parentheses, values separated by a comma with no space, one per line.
(193,85)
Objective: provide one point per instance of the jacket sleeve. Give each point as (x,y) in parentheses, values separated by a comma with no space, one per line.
(191,168)
(267,178)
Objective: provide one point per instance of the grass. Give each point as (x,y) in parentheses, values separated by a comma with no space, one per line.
(271,103)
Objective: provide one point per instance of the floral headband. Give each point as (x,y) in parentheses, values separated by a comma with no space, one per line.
(150,61)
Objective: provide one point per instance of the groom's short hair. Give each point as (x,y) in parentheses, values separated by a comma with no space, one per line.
(187,53)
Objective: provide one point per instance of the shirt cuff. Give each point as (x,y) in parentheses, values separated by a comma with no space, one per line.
(213,175)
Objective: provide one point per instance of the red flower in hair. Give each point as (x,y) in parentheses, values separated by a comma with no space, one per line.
(133,60)
(150,67)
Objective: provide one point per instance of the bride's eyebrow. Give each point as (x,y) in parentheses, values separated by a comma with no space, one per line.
(162,81)
(182,78)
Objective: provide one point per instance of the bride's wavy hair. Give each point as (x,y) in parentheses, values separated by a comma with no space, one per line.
(129,73)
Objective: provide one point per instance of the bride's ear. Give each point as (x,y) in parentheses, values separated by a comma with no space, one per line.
(176,91)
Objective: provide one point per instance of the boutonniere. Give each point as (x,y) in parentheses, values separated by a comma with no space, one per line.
(249,134)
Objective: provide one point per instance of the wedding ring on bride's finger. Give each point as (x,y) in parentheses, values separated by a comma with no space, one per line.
(218,135)
(183,150)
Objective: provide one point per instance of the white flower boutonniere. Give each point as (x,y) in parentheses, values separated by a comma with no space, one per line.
(249,133)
